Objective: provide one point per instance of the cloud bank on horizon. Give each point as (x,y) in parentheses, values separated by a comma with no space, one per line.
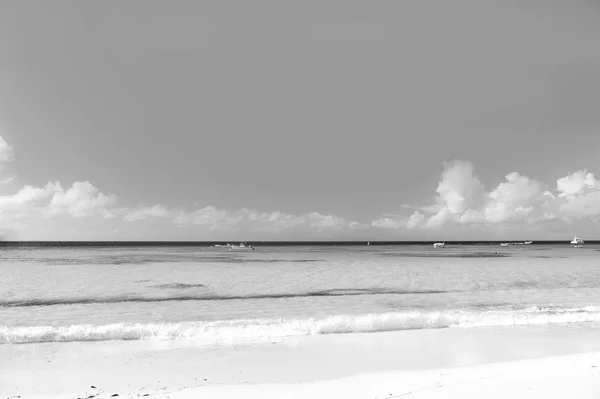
(460,200)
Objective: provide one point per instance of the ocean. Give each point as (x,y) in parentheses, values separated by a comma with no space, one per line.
(214,295)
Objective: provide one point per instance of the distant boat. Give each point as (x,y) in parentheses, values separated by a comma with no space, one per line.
(528,242)
(368,242)
(439,245)
(242,245)
(578,242)
(504,244)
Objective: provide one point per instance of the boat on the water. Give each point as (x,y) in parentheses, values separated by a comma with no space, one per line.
(439,245)
(231,247)
(577,242)
(528,242)
(242,245)
(504,244)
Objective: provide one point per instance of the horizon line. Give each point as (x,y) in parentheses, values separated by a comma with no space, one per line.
(280,242)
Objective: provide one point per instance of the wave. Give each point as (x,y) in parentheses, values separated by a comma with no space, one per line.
(265,330)
(205,297)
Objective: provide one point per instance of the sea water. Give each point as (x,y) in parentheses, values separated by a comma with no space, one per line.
(217,295)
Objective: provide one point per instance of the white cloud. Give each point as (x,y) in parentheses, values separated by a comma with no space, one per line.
(576,183)
(462,199)
(82,199)
(208,216)
(399,222)
(354,225)
(278,220)
(6,151)
(513,199)
(579,196)
(458,190)
(6,155)
(34,204)
(319,221)
(388,223)
(28,196)
(215,218)
(415,220)
(145,212)
(439,219)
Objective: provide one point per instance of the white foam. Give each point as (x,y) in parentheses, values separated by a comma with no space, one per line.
(253,330)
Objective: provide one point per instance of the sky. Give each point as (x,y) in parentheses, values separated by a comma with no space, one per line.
(311,120)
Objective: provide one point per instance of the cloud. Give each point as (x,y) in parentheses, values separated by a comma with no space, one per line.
(82,199)
(462,199)
(513,199)
(6,155)
(399,222)
(576,183)
(6,151)
(33,204)
(215,218)
(319,221)
(29,196)
(458,190)
(279,220)
(388,223)
(354,225)
(145,212)
(415,220)
(579,196)
(208,216)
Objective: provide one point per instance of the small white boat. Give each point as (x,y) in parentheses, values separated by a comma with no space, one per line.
(242,245)
(439,245)
(504,244)
(577,241)
(528,242)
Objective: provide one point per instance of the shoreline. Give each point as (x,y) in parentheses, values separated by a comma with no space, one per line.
(298,365)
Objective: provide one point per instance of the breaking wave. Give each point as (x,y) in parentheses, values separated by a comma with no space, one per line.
(264,330)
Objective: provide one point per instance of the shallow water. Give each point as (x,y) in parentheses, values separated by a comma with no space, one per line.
(214,294)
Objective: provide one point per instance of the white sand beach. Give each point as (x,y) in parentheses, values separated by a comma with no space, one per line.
(569,376)
(549,362)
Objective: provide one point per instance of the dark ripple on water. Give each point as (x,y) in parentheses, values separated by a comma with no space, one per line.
(142,260)
(209,297)
(446,255)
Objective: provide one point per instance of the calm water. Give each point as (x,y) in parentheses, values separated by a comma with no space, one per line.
(213,295)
